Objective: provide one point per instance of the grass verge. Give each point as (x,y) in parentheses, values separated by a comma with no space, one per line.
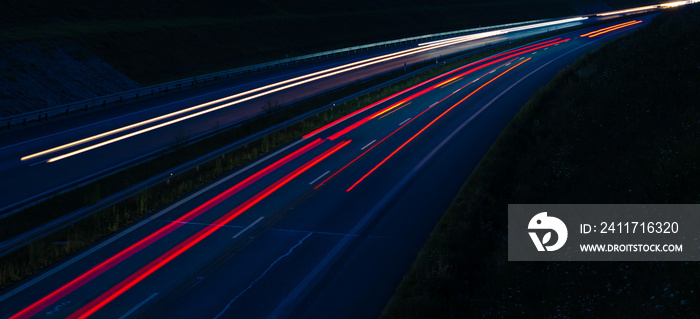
(621,125)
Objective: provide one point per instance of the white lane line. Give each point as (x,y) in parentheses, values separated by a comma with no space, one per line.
(317,178)
(249,226)
(321,268)
(546,48)
(316,232)
(138,306)
(404,122)
(263,274)
(533,53)
(368,144)
(37,163)
(141,224)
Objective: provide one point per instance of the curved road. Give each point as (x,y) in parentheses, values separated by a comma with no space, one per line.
(324,227)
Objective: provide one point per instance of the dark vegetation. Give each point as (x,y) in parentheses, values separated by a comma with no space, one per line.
(621,125)
(44,252)
(156,41)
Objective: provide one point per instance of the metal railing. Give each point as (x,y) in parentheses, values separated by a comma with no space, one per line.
(143,92)
(18,241)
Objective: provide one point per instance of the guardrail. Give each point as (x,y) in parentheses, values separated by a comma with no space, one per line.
(135,94)
(18,241)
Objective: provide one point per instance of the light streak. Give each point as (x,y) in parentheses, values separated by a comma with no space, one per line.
(652,7)
(398,129)
(275,87)
(627,10)
(128,127)
(606,28)
(610,28)
(522,51)
(613,29)
(394,110)
(369,149)
(380,113)
(448,81)
(508,30)
(123,137)
(161,261)
(344,118)
(675,4)
(430,124)
(153,237)
(469,37)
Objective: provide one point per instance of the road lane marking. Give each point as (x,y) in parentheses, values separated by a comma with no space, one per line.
(141,224)
(368,144)
(105,298)
(321,267)
(404,122)
(37,163)
(317,232)
(400,127)
(511,86)
(249,226)
(430,124)
(289,252)
(138,306)
(317,178)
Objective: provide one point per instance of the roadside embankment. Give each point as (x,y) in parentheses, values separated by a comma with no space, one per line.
(621,125)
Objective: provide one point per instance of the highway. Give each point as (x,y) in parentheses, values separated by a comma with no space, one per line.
(325,226)
(71,150)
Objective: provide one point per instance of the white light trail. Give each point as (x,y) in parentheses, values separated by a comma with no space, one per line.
(272,89)
(508,30)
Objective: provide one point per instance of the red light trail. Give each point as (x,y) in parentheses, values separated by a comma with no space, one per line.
(143,243)
(430,124)
(161,261)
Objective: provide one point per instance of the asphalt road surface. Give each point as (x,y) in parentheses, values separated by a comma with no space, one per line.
(326,226)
